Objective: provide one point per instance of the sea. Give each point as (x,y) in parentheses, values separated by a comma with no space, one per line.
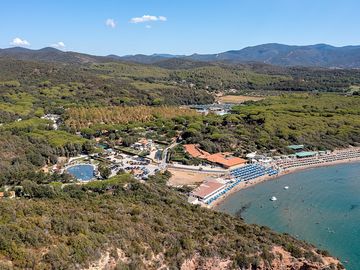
(321,206)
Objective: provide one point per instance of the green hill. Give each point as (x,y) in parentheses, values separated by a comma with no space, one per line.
(30,88)
(129,225)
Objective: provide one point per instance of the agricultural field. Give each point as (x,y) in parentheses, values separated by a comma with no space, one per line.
(238,99)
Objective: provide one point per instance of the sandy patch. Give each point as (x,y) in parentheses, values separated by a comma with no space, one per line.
(183,177)
(238,99)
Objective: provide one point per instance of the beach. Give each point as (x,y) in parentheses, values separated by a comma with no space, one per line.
(321,206)
(248,184)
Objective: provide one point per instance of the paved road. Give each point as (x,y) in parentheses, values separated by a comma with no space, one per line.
(203,169)
(163,163)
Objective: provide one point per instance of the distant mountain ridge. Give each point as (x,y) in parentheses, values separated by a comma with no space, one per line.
(319,55)
(50,54)
(145,59)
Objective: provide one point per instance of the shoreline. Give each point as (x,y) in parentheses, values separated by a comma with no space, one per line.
(251,183)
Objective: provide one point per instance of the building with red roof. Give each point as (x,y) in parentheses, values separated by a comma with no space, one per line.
(225,160)
(208,189)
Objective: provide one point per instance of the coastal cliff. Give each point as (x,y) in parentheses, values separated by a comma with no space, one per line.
(282,260)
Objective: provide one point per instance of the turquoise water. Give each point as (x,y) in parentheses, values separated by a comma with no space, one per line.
(321,206)
(82,172)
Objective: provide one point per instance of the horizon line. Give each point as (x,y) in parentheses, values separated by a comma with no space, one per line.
(176,54)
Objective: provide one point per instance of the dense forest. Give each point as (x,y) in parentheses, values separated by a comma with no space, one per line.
(27,145)
(320,121)
(30,88)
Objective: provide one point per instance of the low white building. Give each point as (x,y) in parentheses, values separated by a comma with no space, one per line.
(209,189)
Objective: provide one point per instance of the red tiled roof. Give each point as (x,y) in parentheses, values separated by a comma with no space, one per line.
(223,159)
(194,151)
(226,161)
(207,188)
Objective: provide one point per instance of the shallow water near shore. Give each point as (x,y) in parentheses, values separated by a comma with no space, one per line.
(321,206)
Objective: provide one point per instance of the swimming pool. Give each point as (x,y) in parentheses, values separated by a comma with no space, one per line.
(82,172)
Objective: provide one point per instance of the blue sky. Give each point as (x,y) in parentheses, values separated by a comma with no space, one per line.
(176,26)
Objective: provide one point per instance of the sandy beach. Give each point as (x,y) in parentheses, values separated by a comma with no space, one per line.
(244,185)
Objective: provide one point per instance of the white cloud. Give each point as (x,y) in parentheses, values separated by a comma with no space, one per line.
(111,23)
(59,45)
(148,18)
(19,42)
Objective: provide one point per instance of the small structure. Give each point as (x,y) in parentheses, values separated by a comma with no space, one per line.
(265,160)
(251,155)
(217,111)
(208,189)
(54,118)
(143,144)
(306,154)
(296,147)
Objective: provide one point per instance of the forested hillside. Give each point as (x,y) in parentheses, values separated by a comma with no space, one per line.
(130,225)
(318,55)
(32,88)
(319,121)
(29,88)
